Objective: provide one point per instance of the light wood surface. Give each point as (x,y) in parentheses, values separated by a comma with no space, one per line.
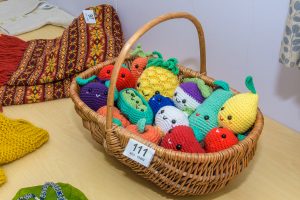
(72,156)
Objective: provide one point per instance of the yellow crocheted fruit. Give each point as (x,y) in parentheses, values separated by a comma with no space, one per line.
(18,138)
(2,177)
(238,114)
(156,79)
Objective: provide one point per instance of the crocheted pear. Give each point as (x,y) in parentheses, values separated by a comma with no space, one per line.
(189,94)
(133,105)
(18,138)
(168,117)
(94,94)
(116,115)
(139,63)
(158,101)
(50,191)
(239,112)
(205,116)
(125,78)
(218,139)
(147,132)
(159,77)
(182,138)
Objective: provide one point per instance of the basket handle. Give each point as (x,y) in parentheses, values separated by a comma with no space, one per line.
(141,31)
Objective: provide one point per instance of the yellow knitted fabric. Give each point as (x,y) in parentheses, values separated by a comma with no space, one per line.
(18,138)
(239,112)
(156,79)
(2,177)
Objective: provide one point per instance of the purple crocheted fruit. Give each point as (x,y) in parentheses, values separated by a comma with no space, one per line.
(94,95)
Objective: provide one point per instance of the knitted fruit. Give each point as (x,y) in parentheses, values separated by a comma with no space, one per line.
(158,101)
(93,94)
(205,116)
(159,77)
(133,105)
(147,132)
(182,138)
(168,117)
(125,78)
(239,112)
(218,139)
(116,114)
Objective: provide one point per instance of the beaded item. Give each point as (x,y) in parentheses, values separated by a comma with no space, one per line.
(168,117)
(133,105)
(218,139)
(159,77)
(205,116)
(182,138)
(238,114)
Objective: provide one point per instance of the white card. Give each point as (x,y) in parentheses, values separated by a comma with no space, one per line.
(89,16)
(139,152)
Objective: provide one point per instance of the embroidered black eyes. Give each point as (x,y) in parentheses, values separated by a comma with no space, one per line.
(206,117)
(90,90)
(123,75)
(178,147)
(108,71)
(162,111)
(222,108)
(136,66)
(223,135)
(157,92)
(184,101)
(105,93)
(173,121)
(229,117)
(138,84)
(175,94)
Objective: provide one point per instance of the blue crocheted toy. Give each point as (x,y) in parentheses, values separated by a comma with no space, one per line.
(158,101)
(205,116)
(134,106)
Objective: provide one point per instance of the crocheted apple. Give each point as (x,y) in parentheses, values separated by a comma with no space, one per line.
(147,132)
(116,115)
(168,117)
(181,138)
(239,112)
(125,78)
(205,116)
(159,77)
(218,139)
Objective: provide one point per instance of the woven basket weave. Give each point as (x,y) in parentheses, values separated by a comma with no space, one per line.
(174,172)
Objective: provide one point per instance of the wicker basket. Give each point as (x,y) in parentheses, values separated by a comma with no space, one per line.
(174,172)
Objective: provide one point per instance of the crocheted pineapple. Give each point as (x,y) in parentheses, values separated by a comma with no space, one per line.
(205,116)
(238,114)
(159,77)
(133,105)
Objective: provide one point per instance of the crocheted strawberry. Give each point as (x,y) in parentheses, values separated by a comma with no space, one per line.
(125,78)
(181,138)
(218,139)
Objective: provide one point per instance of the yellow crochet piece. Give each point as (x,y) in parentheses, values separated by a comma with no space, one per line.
(156,79)
(238,114)
(2,177)
(18,138)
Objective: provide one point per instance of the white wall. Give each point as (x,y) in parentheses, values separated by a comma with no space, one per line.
(242,37)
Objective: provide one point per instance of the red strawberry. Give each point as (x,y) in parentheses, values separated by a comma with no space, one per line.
(218,139)
(182,138)
(125,78)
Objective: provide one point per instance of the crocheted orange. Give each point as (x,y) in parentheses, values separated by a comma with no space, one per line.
(150,133)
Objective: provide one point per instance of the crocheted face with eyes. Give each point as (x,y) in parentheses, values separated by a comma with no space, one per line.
(187,97)
(158,101)
(94,95)
(238,114)
(181,138)
(169,117)
(125,78)
(159,77)
(133,100)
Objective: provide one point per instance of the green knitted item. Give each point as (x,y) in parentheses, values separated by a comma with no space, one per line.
(117,122)
(205,116)
(249,84)
(80,81)
(134,106)
(138,52)
(141,124)
(70,192)
(205,89)
(170,64)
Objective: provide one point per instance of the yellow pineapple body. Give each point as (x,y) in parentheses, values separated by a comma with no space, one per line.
(156,79)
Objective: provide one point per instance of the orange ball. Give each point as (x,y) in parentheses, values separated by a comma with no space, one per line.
(116,114)
(151,133)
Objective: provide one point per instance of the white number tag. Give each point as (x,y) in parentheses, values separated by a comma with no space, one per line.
(89,16)
(139,152)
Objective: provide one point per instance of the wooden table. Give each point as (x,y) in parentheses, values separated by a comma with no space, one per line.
(72,156)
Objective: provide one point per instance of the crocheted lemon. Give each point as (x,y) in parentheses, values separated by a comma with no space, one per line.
(159,77)
(238,114)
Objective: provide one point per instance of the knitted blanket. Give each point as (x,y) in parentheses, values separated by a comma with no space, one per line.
(42,70)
